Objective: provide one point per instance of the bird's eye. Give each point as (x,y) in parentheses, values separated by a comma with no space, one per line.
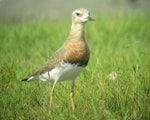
(77,14)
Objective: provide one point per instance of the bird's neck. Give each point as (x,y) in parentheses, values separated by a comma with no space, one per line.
(77,30)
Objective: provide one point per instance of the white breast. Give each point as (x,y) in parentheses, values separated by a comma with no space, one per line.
(65,71)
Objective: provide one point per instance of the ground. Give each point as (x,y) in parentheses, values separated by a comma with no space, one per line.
(119,45)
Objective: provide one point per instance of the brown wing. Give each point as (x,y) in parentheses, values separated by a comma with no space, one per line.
(54,61)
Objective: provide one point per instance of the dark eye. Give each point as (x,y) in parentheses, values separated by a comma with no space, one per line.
(77,14)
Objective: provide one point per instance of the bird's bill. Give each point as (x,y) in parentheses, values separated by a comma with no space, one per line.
(90,19)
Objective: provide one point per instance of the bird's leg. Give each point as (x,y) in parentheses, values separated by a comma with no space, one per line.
(52,93)
(71,94)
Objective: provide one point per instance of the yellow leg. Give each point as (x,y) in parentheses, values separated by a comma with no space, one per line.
(71,96)
(72,102)
(52,93)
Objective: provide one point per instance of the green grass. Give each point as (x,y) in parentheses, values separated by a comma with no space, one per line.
(118,44)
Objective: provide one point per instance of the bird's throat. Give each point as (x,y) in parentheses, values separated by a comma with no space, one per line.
(77,30)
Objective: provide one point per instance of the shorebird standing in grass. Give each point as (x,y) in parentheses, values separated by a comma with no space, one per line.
(70,59)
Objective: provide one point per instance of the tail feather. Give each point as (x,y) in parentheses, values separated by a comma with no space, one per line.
(25,80)
(28,79)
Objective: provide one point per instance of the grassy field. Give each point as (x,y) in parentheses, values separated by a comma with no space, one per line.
(119,45)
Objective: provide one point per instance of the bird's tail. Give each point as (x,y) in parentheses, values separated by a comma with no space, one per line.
(28,79)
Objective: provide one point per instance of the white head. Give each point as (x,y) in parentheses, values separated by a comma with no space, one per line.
(81,16)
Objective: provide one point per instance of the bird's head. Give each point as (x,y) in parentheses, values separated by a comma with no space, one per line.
(81,16)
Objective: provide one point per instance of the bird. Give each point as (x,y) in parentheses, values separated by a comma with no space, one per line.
(70,59)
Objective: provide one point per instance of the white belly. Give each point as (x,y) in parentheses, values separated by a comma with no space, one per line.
(65,71)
